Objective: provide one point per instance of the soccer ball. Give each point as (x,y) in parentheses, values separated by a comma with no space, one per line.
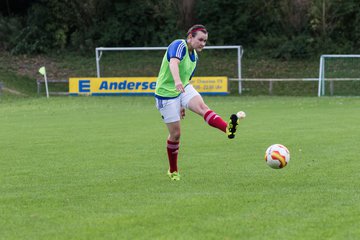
(277,156)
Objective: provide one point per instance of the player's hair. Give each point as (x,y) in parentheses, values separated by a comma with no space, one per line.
(194,29)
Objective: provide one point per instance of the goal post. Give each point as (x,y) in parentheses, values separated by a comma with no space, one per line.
(239,52)
(339,68)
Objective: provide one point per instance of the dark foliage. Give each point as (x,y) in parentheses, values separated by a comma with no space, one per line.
(279,28)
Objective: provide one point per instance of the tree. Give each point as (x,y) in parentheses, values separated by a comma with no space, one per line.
(15,7)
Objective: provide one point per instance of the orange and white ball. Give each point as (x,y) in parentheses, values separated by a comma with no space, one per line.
(277,156)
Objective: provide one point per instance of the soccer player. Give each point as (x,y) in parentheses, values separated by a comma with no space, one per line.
(174,93)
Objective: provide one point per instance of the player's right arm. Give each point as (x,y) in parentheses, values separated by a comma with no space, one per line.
(174,69)
(176,53)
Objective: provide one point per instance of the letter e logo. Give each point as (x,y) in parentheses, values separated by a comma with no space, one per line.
(84,86)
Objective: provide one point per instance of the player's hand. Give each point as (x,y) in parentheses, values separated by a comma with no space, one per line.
(179,87)
(182,113)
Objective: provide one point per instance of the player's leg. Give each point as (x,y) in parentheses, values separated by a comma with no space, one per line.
(172,147)
(172,144)
(170,112)
(197,105)
(193,100)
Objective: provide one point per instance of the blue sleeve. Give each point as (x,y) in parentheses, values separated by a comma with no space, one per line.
(177,50)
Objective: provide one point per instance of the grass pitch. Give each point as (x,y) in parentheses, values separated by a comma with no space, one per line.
(95,168)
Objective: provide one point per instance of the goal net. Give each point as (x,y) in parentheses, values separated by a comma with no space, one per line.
(339,75)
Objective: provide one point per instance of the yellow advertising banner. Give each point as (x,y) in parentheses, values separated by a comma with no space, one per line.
(211,85)
(140,85)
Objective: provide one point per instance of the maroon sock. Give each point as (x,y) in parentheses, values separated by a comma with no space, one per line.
(172,151)
(215,120)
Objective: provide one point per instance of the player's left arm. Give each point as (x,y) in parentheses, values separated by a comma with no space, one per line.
(182,113)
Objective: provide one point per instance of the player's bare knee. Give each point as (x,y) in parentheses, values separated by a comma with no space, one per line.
(200,108)
(203,108)
(174,136)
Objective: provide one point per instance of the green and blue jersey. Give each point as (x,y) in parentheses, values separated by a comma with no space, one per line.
(165,85)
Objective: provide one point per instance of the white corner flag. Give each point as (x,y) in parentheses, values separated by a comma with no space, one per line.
(42,71)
